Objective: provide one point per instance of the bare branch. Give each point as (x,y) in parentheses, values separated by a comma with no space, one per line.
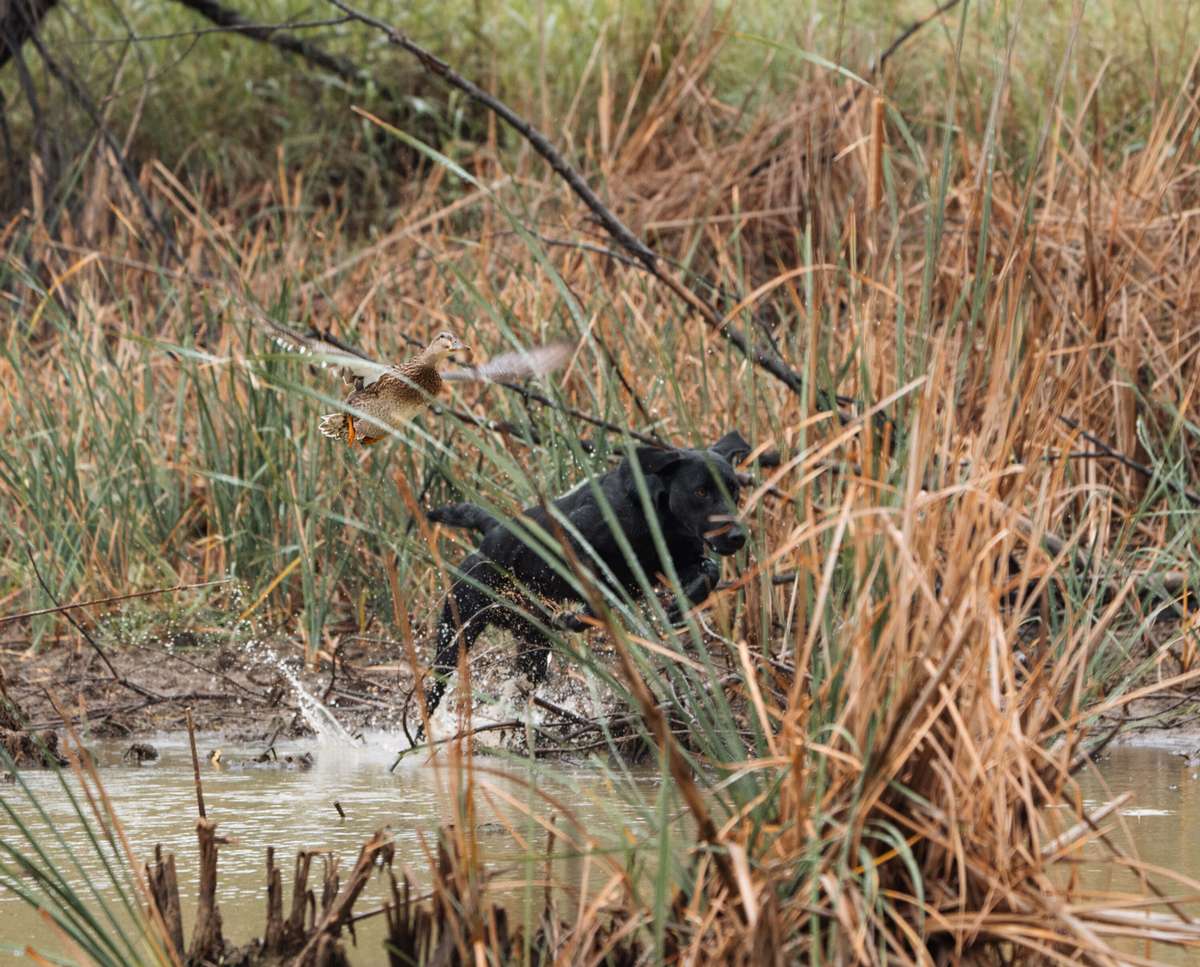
(229,19)
(766,359)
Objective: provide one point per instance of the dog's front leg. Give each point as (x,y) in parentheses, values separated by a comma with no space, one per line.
(698,582)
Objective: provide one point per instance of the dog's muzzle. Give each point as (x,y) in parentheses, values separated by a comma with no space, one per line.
(727,536)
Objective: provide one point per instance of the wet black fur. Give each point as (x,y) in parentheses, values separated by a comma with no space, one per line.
(684,491)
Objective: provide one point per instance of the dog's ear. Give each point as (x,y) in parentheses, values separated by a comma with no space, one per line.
(654,460)
(657,465)
(733,447)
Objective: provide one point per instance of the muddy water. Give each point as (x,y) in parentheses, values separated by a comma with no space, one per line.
(291,809)
(1158,825)
(1161,820)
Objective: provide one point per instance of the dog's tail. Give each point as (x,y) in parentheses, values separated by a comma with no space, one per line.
(463,515)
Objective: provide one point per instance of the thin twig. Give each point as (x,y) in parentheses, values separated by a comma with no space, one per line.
(906,34)
(237,27)
(277,37)
(117,676)
(1125,460)
(110,600)
(464,734)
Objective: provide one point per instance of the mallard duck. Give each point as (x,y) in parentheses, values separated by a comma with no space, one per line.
(392,395)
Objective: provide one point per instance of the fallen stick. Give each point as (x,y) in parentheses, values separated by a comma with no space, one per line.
(1079,830)
(117,677)
(465,734)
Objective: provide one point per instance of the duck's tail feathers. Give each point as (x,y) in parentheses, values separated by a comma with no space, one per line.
(334,425)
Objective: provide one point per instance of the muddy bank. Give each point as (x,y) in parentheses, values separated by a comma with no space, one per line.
(259,691)
(245,692)
(1162,722)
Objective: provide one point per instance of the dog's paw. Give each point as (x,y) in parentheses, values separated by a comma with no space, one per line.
(709,575)
(569,621)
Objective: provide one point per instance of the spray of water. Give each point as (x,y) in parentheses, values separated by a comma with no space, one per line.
(318,716)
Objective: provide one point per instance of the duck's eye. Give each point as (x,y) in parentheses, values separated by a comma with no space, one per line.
(701,491)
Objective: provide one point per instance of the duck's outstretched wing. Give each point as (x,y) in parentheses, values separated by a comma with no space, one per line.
(355,367)
(522,364)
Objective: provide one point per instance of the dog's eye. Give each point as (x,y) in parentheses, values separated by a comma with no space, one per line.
(701,491)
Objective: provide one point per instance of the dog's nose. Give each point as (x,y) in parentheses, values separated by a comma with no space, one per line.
(727,536)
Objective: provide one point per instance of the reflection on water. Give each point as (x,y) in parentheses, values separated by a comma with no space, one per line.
(1159,821)
(290,809)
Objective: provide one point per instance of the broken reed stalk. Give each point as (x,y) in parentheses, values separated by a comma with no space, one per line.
(191,727)
(875,163)
(301,938)
(208,943)
(163,886)
(302,899)
(339,909)
(274,933)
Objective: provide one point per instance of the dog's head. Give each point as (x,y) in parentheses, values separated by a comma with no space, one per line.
(700,490)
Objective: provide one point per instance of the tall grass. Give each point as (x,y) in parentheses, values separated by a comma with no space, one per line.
(867,747)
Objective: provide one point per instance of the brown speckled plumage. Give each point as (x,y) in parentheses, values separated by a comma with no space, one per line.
(387,397)
(393,399)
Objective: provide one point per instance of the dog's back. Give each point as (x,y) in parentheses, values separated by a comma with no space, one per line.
(582,519)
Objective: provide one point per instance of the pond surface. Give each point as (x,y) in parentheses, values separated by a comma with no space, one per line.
(1160,822)
(293,809)
(258,806)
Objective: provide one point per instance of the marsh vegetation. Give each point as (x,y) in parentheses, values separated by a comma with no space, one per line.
(952,293)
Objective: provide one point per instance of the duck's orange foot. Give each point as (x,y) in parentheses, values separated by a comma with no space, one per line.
(370,441)
(351,436)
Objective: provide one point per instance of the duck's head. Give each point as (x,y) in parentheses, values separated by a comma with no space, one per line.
(445,343)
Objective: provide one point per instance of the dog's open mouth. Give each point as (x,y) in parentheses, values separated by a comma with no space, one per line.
(728,537)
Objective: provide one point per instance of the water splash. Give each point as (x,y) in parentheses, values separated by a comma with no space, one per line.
(318,716)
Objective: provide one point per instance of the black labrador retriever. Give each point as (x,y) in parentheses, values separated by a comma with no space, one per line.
(694,496)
